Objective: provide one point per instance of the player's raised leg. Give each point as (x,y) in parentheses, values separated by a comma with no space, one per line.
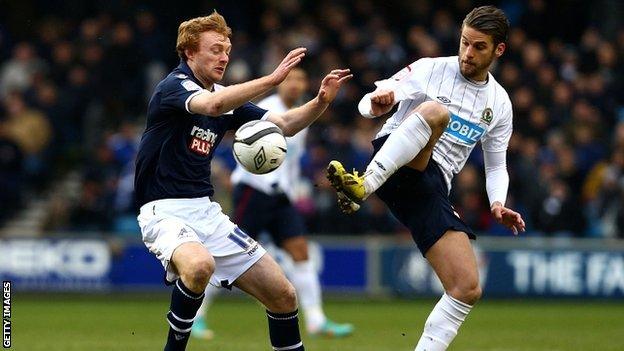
(194,264)
(454,262)
(266,282)
(304,278)
(410,144)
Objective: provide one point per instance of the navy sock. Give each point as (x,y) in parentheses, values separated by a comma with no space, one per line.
(284,331)
(184,306)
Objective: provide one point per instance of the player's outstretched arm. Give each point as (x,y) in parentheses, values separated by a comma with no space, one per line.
(296,119)
(233,96)
(508,217)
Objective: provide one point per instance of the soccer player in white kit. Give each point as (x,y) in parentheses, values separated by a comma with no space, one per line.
(446,105)
(264,203)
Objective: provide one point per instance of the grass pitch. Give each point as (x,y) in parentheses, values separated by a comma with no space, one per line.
(136,322)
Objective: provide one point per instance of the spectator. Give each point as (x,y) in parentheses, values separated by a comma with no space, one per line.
(10,174)
(30,129)
(18,73)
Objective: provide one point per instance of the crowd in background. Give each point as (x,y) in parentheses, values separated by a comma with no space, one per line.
(75,79)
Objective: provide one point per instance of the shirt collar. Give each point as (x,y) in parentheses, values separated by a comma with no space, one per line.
(184,68)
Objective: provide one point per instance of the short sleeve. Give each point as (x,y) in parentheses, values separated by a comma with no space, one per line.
(178,91)
(497,138)
(410,81)
(245,113)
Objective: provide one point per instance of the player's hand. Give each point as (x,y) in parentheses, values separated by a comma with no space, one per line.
(381,102)
(331,84)
(507,217)
(291,60)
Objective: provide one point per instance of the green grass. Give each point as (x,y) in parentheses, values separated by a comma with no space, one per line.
(137,323)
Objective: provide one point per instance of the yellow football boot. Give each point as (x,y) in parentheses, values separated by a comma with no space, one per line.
(351,185)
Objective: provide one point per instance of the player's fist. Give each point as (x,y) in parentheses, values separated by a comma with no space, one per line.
(381,102)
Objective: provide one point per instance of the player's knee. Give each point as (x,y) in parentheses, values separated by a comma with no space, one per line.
(200,270)
(285,299)
(467,293)
(473,295)
(435,114)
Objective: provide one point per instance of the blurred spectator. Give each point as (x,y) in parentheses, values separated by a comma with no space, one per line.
(94,209)
(557,214)
(152,45)
(19,72)
(10,174)
(469,199)
(341,144)
(30,129)
(609,195)
(123,70)
(385,54)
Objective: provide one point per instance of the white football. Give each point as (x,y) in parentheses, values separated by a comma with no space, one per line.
(259,146)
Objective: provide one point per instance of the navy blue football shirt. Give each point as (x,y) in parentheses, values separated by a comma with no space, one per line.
(177,146)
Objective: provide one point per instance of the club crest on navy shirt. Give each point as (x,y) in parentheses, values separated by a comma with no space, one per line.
(202,140)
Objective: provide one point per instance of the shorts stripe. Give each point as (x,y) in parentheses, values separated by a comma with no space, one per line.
(238,241)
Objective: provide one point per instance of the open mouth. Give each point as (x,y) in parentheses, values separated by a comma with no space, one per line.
(220,69)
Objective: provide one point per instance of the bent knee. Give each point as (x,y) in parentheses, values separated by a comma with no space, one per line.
(199,270)
(468,293)
(435,114)
(285,299)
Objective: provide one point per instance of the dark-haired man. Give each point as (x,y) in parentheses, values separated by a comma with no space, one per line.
(446,105)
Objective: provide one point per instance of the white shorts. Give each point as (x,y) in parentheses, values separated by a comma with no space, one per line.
(168,223)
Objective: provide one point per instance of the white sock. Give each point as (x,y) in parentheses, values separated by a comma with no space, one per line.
(306,281)
(210,293)
(443,323)
(403,144)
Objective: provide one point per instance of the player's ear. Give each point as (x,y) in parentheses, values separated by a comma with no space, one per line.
(189,53)
(500,49)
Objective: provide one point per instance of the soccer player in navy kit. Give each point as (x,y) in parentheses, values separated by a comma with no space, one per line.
(446,106)
(197,244)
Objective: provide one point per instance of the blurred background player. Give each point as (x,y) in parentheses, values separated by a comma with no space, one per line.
(446,105)
(196,243)
(264,203)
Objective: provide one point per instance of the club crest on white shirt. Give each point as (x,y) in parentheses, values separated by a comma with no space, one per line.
(487,116)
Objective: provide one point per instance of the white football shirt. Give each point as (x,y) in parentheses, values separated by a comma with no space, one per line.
(479,112)
(285,178)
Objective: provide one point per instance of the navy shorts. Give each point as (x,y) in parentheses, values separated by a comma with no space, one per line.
(256,212)
(420,201)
